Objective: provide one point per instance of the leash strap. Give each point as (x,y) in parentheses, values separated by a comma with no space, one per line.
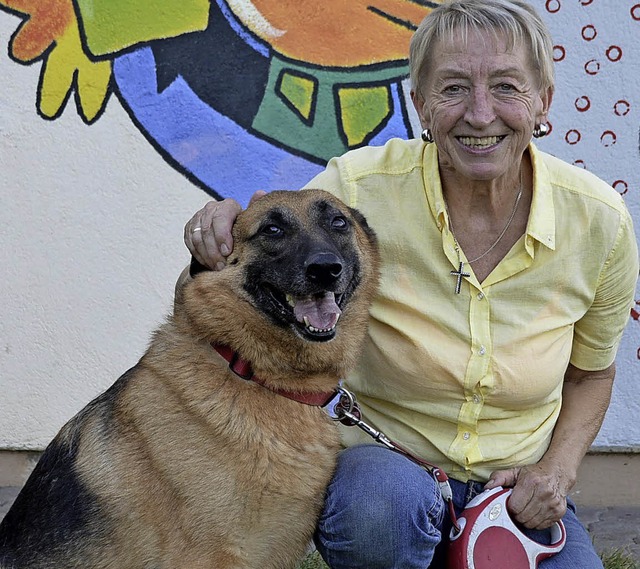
(345,409)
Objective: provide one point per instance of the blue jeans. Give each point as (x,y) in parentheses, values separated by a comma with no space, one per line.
(383,511)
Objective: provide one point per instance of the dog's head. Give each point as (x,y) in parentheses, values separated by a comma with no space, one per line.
(304,256)
(303,271)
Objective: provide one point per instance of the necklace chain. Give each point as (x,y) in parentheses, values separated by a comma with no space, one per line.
(459,274)
(502,233)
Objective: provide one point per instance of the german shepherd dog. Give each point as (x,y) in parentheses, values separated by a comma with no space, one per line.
(182,463)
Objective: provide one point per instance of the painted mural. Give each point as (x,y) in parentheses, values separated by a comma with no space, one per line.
(219,86)
(241,95)
(214,85)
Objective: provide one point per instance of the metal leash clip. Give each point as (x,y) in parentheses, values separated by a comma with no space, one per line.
(344,408)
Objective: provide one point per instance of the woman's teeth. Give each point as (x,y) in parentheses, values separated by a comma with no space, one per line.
(483,142)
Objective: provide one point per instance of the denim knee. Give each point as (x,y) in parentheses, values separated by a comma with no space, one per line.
(381,510)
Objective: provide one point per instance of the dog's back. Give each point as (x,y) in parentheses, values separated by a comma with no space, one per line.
(182,463)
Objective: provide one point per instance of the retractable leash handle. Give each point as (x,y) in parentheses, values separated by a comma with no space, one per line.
(490,539)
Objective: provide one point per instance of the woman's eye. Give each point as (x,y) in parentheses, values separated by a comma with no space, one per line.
(272,229)
(453,89)
(339,222)
(506,87)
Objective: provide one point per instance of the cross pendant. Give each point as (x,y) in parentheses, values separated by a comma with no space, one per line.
(459,274)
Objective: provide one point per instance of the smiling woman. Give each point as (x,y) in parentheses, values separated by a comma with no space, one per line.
(491,342)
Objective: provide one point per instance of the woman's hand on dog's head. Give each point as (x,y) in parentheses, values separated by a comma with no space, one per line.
(207,234)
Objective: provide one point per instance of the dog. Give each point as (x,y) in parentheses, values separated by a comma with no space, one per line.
(213,451)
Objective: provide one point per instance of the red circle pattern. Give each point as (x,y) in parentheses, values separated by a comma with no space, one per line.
(614,53)
(592,67)
(621,186)
(594,97)
(573,136)
(583,104)
(621,108)
(559,53)
(608,138)
(589,33)
(553,6)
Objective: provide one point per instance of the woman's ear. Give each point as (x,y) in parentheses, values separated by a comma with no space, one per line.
(546,98)
(419,106)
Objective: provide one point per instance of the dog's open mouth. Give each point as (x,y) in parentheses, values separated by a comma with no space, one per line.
(314,316)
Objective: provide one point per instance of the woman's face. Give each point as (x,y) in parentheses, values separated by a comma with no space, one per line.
(481,103)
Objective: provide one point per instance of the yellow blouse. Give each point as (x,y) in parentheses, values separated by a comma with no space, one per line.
(473,381)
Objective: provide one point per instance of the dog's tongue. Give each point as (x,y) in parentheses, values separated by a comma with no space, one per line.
(321,312)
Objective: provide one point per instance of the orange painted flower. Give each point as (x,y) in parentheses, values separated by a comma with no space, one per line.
(46,22)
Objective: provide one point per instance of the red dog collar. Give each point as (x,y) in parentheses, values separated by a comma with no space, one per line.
(242,368)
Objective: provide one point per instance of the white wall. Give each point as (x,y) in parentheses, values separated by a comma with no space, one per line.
(91,223)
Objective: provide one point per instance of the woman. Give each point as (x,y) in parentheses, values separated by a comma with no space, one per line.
(507,280)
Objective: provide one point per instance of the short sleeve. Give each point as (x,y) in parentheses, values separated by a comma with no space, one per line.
(598,333)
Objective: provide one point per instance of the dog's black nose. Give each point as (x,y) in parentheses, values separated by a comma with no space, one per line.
(324,268)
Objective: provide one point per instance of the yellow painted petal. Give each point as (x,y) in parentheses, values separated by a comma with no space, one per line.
(93,83)
(92,78)
(57,80)
(299,92)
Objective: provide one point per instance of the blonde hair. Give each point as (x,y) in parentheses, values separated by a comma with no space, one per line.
(513,20)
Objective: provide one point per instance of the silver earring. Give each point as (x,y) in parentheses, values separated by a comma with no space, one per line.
(541,130)
(427,136)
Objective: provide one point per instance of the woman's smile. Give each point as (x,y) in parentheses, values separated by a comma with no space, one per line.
(484,143)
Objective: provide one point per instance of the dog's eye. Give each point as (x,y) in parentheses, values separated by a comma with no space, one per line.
(272,229)
(339,222)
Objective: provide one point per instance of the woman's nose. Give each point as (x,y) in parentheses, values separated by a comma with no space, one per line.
(480,111)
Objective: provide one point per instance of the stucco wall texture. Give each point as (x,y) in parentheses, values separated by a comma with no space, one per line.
(94,204)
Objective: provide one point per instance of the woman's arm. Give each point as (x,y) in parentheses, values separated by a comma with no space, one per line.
(540,490)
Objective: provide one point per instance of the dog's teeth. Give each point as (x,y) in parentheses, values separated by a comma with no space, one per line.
(306,322)
(291,300)
(314,329)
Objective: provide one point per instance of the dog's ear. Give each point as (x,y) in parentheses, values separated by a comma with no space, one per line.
(196,267)
(362,222)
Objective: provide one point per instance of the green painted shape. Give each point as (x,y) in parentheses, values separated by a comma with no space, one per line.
(110,26)
(321,137)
